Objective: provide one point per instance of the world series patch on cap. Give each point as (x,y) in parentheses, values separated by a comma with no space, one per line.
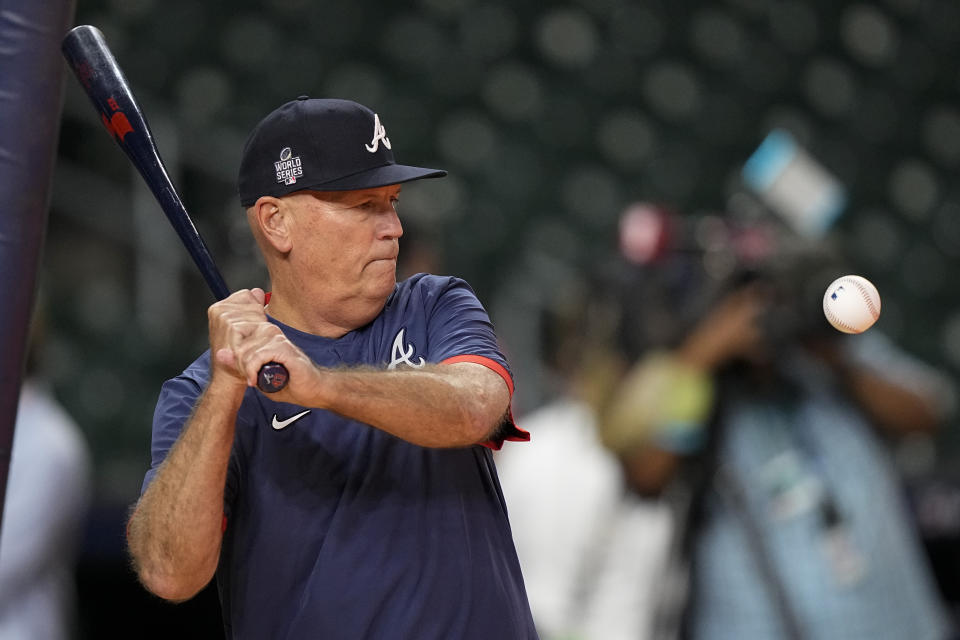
(323,144)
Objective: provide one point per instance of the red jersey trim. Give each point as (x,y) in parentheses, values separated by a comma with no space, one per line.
(512,433)
(493,365)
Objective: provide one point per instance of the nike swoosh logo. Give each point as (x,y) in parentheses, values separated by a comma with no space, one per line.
(283,424)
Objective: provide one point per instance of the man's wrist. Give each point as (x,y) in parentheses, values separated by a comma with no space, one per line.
(225,389)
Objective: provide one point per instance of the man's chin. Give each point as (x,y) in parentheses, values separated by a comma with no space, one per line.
(380,275)
(383,285)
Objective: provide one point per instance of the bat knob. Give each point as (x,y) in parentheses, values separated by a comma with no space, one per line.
(273,376)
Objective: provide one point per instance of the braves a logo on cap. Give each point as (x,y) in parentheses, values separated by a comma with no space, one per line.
(379,134)
(288,167)
(401,353)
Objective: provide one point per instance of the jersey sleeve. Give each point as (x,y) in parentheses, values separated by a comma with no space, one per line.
(459,330)
(178,396)
(174,406)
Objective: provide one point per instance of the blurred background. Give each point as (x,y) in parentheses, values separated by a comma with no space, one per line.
(551,118)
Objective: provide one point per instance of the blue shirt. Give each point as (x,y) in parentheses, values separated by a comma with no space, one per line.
(865,577)
(338,530)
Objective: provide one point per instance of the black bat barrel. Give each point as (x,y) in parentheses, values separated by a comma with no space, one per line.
(90,59)
(88,55)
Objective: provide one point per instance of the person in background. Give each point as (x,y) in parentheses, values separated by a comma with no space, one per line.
(593,553)
(48,494)
(796,527)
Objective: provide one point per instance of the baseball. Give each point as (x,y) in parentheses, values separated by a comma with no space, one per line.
(851,304)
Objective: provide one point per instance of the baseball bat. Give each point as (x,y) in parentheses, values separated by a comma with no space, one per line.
(88,55)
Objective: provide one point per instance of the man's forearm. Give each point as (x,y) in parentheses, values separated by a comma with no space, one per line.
(176,530)
(437,406)
(895,408)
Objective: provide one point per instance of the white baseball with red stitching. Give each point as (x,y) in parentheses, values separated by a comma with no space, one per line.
(851,304)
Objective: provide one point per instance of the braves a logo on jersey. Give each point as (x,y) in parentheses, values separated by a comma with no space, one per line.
(401,353)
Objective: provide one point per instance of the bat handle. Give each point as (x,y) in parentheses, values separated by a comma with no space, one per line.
(273,377)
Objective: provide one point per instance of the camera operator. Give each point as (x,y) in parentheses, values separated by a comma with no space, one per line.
(736,389)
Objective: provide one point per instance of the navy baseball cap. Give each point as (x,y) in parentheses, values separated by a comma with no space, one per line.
(322,144)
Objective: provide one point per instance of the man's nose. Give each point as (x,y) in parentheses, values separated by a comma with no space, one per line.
(390,225)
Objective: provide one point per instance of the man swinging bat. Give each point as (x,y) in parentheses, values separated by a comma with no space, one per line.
(361,499)
(356,502)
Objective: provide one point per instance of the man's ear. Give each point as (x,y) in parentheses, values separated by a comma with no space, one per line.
(272,217)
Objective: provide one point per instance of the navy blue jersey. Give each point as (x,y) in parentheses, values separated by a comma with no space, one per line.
(335,529)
